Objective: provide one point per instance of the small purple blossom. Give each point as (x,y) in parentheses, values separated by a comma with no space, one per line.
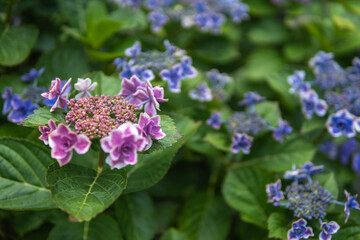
(118,62)
(297,82)
(129,88)
(282,130)
(217,80)
(310,168)
(150,97)
(134,50)
(356,163)
(188,71)
(32,74)
(341,123)
(239,12)
(85,86)
(143,73)
(21,109)
(55,91)
(241,142)
(274,192)
(215,120)
(329,149)
(328,229)
(312,104)
(350,203)
(295,174)
(62,142)
(149,128)
(346,149)
(123,144)
(46,131)
(299,230)
(173,77)
(8,96)
(201,93)
(251,98)
(157,19)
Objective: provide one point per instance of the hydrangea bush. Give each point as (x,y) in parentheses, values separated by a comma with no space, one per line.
(177,119)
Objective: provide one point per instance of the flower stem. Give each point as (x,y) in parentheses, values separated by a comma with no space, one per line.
(101,160)
(8,12)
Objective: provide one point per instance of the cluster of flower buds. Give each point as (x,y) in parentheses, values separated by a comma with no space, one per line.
(111,119)
(341,91)
(207,15)
(172,65)
(240,124)
(307,199)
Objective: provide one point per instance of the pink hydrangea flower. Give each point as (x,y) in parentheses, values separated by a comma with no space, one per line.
(123,144)
(149,127)
(150,97)
(56,91)
(62,142)
(129,87)
(85,86)
(46,131)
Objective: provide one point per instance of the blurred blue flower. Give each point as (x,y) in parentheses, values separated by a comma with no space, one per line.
(295,174)
(299,230)
(329,149)
(251,98)
(158,19)
(356,162)
(217,80)
(350,203)
(32,75)
(347,149)
(188,71)
(282,130)
(8,96)
(298,85)
(312,104)
(310,168)
(134,50)
(241,142)
(328,229)
(173,77)
(201,93)
(341,123)
(274,192)
(215,120)
(21,109)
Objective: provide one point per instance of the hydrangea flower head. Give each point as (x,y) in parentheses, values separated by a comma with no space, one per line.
(97,116)
(274,192)
(201,93)
(85,86)
(150,128)
(32,74)
(21,109)
(62,142)
(241,142)
(328,229)
(299,230)
(251,98)
(122,145)
(55,91)
(282,130)
(312,104)
(341,123)
(350,203)
(215,120)
(46,131)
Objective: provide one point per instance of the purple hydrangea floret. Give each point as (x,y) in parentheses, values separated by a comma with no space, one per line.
(85,86)
(215,120)
(21,109)
(129,88)
(299,230)
(46,131)
(8,96)
(350,203)
(274,192)
(134,50)
(188,71)
(217,80)
(282,130)
(32,74)
(173,77)
(158,19)
(312,104)
(347,149)
(328,229)
(310,168)
(150,128)
(295,174)
(341,123)
(241,142)
(201,93)
(122,145)
(297,82)
(251,98)
(62,141)
(55,91)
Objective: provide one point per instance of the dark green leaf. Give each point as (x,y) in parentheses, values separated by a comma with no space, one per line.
(22,176)
(16,43)
(270,111)
(136,216)
(102,227)
(219,140)
(130,19)
(173,234)
(41,117)
(278,225)
(83,192)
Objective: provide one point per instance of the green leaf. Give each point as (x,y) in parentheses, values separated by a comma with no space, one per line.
(173,234)
(22,176)
(270,111)
(205,217)
(280,157)
(172,135)
(219,140)
(16,44)
(348,233)
(74,12)
(41,117)
(329,183)
(151,168)
(278,225)
(83,192)
(95,12)
(103,227)
(136,216)
(244,190)
(267,32)
(101,31)
(130,19)
(64,62)
(107,85)
(166,211)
